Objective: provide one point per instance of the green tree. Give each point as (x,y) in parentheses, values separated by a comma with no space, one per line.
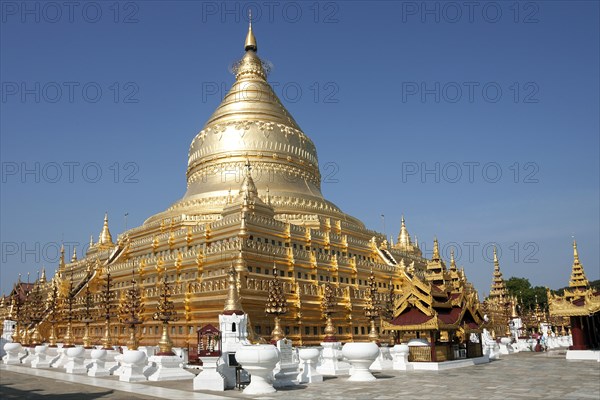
(521,287)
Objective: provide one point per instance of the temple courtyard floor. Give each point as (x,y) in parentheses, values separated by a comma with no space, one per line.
(515,376)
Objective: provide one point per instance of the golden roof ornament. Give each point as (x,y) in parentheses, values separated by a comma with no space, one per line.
(233,304)
(436,250)
(105,236)
(250,43)
(452,261)
(578,279)
(74,257)
(403,241)
(43,277)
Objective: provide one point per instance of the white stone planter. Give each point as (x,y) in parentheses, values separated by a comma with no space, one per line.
(259,360)
(361,356)
(308,360)
(12,353)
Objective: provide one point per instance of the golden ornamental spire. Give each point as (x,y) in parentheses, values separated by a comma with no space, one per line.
(498,286)
(43,277)
(452,262)
(403,241)
(578,279)
(91,241)
(105,236)
(74,257)
(233,304)
(436,250)
(250,39)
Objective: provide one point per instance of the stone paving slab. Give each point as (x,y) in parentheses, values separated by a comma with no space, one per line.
(516,376)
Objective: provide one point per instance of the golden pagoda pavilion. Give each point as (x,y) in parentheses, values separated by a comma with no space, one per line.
(254,203)
(581,304)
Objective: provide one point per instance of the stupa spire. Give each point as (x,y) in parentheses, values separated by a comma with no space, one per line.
(233,304)
(578,278)
(74,257)
(436,250)
(403,241)
(250,38)
(498,286)
(452,261)
(105,236)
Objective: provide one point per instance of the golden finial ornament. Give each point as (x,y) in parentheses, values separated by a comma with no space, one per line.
(43,277)
(52,306)
(68,313)
(233,304)
(578,279)
(165,312)
(276,305)
(131,310)
(74,256)
(86,315)
(250,43)
(436,250)
(107,297)
(16,306)
(328,307)
(105,237)
(372,308)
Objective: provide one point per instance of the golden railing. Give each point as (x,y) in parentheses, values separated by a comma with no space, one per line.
(419,354)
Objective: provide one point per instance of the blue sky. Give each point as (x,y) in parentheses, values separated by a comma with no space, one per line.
(480,125)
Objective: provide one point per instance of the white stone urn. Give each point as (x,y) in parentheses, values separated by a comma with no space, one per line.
(308,358)
(259,360)
(12,353)
(361,356)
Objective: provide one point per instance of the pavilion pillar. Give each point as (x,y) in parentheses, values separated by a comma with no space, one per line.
(432,336)
(577,334)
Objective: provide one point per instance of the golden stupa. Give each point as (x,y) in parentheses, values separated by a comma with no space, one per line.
(254,202)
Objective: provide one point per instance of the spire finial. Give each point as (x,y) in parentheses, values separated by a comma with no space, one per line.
(495,256)
(74,257)
(250,39)
(105,236)
(575,253)
(436,250)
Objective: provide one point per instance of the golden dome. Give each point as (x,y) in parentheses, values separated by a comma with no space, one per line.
(252,125)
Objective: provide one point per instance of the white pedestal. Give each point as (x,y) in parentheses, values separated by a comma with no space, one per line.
(286,370)
(98,364)
(400,358)
(12,353)
(168,369)
(383,361)
(209,378)
(60,359)
(41,359)
(133,363)
(75,358)
(330,363)
(30,354)
(308,360)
